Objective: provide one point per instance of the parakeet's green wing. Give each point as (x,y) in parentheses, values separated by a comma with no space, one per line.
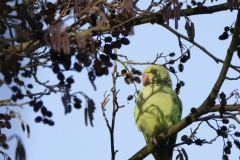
(157,108)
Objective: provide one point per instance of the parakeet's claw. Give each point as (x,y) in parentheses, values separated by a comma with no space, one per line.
(153,140)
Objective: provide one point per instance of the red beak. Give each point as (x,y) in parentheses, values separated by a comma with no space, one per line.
(145,79)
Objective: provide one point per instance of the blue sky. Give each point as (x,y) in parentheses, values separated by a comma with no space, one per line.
(71,139)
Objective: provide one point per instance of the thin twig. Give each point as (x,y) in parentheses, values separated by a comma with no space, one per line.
(114,95)
(195,131)
(103,105)
(212,116)
(232,78)
(211,126)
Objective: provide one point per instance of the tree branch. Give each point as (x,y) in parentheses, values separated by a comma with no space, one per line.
(212,116)
(103,105)
(157,16)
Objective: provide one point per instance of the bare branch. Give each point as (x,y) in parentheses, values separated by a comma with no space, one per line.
(195,131)
(103,105)
(233,78)
(200,47)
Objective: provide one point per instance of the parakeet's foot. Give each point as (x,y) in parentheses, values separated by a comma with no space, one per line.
(153,140)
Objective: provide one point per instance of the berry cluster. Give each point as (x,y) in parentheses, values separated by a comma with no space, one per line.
(3,139)
(188,120)
(183,59)
(77,102)
(49,12)
(178,86)
(5,121)
(17,92)
(38,105)
(130,97)
(116,19)
(195,140)
(224,132)
(193,110)
(225,34)
(223,103)
(131,77)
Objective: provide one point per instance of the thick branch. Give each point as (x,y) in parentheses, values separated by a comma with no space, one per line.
(157,16)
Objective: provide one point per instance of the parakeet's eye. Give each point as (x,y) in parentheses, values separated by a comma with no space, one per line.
(154,71)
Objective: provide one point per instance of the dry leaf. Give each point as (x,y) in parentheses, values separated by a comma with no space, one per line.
(168,14)
(20,151)
(178,11)
(185,154)
(88,112)
(188,54)
(176,23)
(181,156)
(81,42)
(131,33)
(91,108)
(102,20)
(65,43)
(93,84)
(23,126)
(28,130)
(64,101)
(127,5)
(187,27)
(67,95)
(238,108)
(85,116)
(192,32)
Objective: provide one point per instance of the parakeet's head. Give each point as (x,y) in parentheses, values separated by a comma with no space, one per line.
(155,74)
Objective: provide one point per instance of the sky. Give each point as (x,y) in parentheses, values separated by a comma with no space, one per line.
(69,138)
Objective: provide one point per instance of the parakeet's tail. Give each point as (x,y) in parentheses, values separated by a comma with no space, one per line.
(165,153)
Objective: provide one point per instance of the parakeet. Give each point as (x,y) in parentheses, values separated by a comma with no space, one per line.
(157,108)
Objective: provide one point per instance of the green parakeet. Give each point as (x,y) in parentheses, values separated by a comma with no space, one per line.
(157,108)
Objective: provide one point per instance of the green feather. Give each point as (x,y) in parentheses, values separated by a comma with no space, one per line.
(157,108)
